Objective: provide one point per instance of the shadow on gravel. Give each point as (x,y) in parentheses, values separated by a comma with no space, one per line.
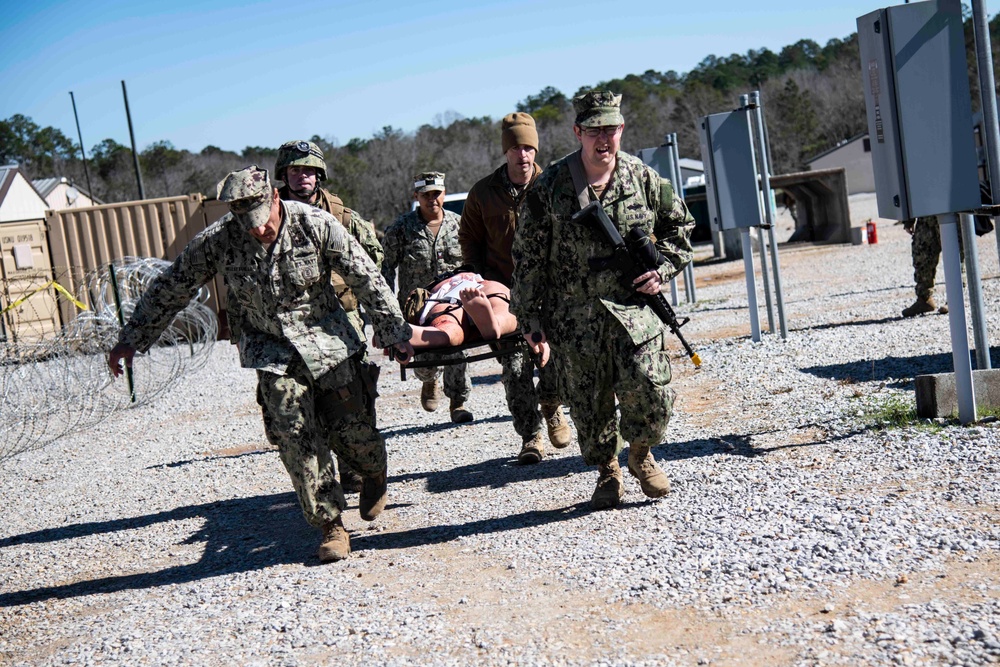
(900,369)
(439,534)
(736,445)
(410,429)
(240,535)
(501,471)
(485,379)
(850,323)
(495,473)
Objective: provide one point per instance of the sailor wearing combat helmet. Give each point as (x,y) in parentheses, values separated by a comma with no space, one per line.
(302,166)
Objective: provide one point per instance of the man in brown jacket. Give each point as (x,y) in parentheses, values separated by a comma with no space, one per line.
(486,234)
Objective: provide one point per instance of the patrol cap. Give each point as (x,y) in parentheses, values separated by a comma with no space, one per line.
(426,181)
(598,108)
(248,193)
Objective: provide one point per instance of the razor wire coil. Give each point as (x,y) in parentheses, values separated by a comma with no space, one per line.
(60,383)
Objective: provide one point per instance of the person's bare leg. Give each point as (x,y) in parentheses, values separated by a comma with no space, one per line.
(480,311)
(424,337)
(443,332)
(506,322)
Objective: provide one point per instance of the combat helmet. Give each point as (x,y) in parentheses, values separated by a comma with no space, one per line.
(301,153)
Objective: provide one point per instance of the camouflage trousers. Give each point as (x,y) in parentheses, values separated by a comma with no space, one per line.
(605,365)
(523,397)
(457,385)
(925,246)
(307,436)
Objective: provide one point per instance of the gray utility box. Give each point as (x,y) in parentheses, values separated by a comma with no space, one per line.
(659,159)
(730,171)
(916,85)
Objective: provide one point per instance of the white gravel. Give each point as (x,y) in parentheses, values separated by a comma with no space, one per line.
(797,532)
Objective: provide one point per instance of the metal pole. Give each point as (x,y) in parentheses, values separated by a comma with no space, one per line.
(747,106)
(964,390)
(670,142)
(976,308)
(689,288)
(751,285)
(762,247)
(121,323)
(135,154)
(86,172)
(987,98)
(765,183)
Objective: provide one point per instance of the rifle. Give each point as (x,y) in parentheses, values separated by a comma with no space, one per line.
(633,258)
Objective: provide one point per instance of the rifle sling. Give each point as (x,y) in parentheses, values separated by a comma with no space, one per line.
(584,194)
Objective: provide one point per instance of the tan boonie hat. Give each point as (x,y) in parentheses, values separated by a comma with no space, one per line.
(426,181)
(598,108)
(248,193)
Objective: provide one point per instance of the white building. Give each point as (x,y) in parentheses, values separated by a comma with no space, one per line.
(19,200)
(61,193)
(855,156)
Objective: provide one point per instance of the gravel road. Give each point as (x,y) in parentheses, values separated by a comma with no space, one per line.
(797,532)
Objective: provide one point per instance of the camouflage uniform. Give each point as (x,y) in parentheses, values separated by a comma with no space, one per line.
(926,251)
(359,228)
(420,256)
(606,345)
(313,388)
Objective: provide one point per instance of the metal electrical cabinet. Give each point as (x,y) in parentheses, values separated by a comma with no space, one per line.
(730,172)
(659,159)
(916,86)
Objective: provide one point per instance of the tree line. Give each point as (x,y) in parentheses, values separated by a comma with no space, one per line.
(812,99)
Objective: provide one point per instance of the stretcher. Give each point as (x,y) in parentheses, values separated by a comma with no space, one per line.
(505,345)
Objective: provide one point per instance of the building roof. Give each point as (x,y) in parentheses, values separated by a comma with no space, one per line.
(26,203)
(691,164)
(837,147)
(45,186)
(6,171)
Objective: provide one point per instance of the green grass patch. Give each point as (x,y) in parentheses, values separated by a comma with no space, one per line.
(891,411)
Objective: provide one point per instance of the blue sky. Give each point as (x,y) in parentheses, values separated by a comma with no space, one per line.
(218,72)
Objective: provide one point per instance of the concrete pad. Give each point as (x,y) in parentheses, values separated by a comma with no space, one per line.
(936,396)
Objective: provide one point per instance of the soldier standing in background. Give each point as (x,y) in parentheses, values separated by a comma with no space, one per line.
(423,244)
(315,391)
(925,249)
(486,234)
(611,349)
(302,167)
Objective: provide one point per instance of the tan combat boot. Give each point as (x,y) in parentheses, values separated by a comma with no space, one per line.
(459,414)
(336,544)
(610,486)
(555,422)
(532,450)
(374,493)
(350,480)
(430,395)
(642,466)
(920,307)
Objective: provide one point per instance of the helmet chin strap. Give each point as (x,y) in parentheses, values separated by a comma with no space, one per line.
(304,194)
